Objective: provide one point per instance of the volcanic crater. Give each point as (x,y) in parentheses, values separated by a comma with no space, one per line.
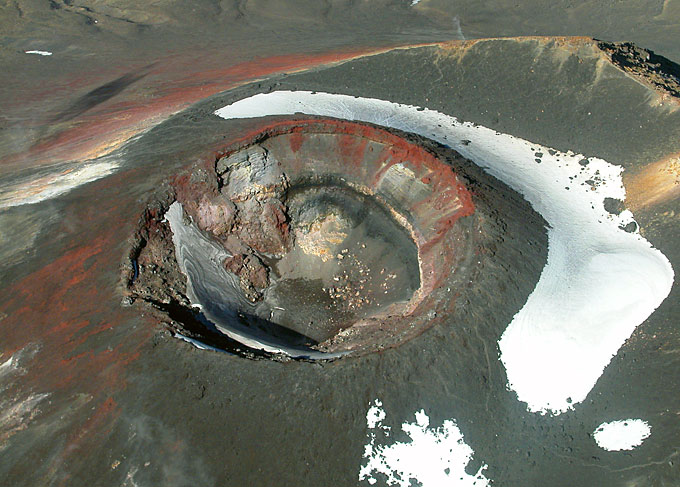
(310,239)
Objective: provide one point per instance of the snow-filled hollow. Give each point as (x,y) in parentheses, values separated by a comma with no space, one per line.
(622,435)
(599,282)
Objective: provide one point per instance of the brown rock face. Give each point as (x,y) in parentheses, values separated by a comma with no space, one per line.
(263,225)
(215,214)
(240,203)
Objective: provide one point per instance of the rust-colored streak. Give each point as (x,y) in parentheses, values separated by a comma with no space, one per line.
(352,149)
(107,126)
(296,140)
(70,308)
(55,306)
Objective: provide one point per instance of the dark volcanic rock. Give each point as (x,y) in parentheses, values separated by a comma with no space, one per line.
(644,64)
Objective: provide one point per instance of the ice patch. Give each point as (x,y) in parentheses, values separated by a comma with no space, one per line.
(433,457)
(599,281)
(622,435)
(40,53)
(196,343)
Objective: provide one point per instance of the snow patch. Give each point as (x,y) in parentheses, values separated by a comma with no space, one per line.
(40,53)
(433,456)
(7,365)
(56,184)
(16,415)
(622,435)
(599,282)
(375,415)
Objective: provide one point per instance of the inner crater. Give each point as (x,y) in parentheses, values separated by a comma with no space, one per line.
(349,259)
(311,239)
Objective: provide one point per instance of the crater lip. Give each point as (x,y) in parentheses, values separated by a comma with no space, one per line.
(309,238)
